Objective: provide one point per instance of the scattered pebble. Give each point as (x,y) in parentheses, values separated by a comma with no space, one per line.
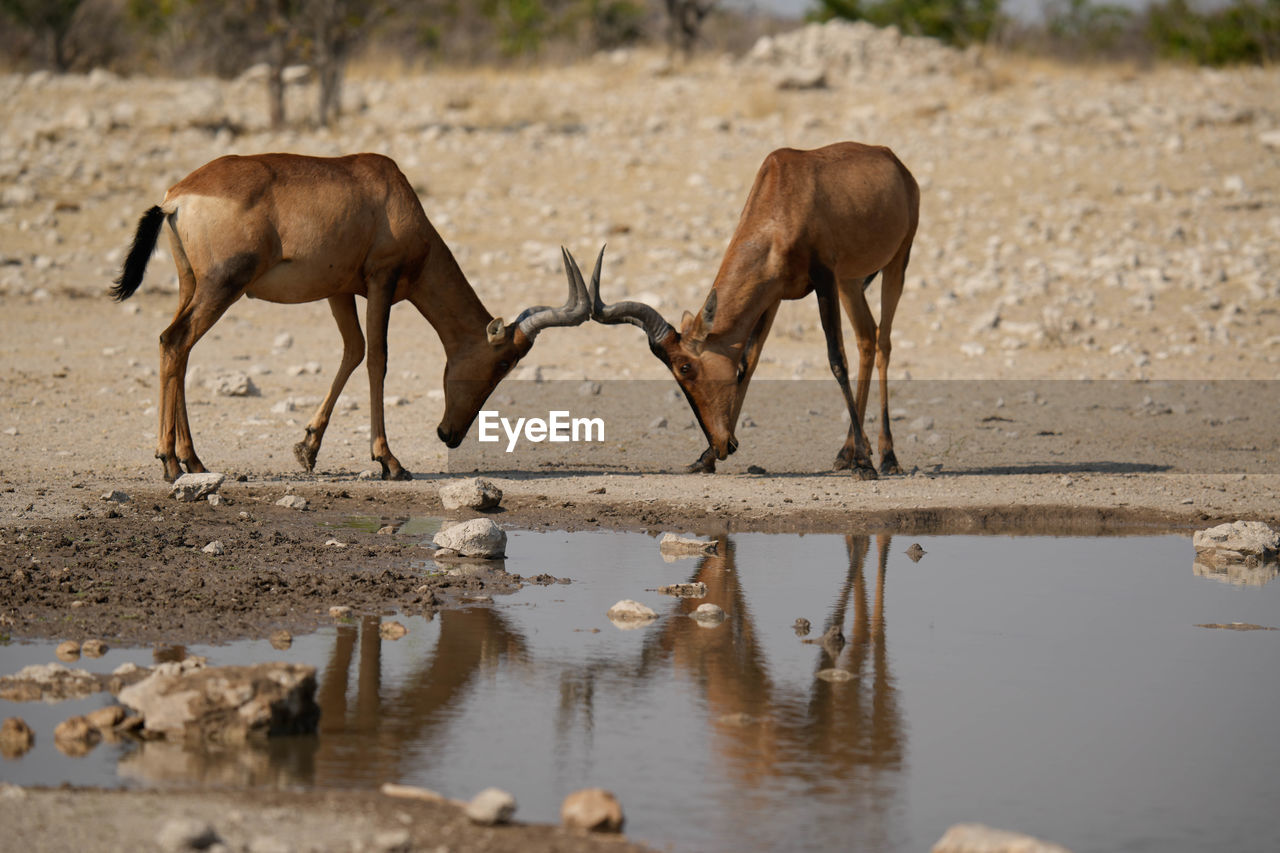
(16,737)
(93,648)
(479,537)
(340,611)
(678,546)
(215,548)
(297,502)
(473,493)
(281,639)
(834,675)
(915,552)
(180,834)
(68,650)
(116,496)
(801,626)
(195,487)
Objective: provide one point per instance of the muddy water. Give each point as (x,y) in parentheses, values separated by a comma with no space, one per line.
(1057,686)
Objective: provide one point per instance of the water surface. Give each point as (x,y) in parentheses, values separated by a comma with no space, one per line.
(1056,686)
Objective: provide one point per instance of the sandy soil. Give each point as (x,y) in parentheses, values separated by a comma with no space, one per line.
(1096,224)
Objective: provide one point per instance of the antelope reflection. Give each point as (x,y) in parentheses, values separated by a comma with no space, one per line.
(761,729)
(379,726)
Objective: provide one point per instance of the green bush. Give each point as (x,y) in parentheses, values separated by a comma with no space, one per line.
(957,22)
(1248,31)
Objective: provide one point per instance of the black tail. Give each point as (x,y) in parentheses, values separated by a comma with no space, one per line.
(144,242)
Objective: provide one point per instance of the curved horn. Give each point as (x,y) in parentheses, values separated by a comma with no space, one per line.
(572,313)
(635,313)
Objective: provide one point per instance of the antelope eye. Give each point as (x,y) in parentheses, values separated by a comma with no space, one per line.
(684,369)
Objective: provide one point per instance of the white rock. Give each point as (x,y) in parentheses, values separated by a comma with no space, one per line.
(479,537)
(215,548)
(708,615)
(473,493)
(196,487)
(283,341)
(293,502)
(235,384)
(629,614)
(491,806)
(1237,541)
(976,838)
(116,496)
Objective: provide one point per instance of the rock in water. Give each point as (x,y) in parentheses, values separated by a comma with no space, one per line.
(708,615)
(16,737)
(1236,542)
(976,838)
(228,704)
(593,810)
(491,806)
(196,487)
(479,537)
(473,493)
(678,546)
(628,614)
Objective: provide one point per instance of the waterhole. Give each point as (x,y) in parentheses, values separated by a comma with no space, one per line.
(1063,687)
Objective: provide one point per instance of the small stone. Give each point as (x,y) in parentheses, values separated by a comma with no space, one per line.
(802,627)
(393,841)
(472,493)
(658,423)
(214,500)
(592,810)
(297,502)
(186,833)
(93,648)
(386,530)
(283,341)
(195,487)
(697,589)
(16,737)
(628,614)
(708,615)
(756,469)
(915,552)
(334,543)
(834,675)
(1237,541)
(116,496)
(392,630)
(68,650)
(479,537)
(215,548)
(490,807)
(281,639)
(340,611)
(234,384)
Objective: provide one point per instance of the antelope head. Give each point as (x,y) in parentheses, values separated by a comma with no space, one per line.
(708,372)
(471,374)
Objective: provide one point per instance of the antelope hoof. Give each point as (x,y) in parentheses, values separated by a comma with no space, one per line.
(394,473)
(706,463)
(889,464)
(172,470)
(863,471)
(843,460)
(305,455)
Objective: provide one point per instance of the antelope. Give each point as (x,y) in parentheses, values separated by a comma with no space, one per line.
(290,229)
(825,221)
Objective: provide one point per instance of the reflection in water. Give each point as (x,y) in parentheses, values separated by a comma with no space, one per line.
(1237,574)
(380,728)
(831,738)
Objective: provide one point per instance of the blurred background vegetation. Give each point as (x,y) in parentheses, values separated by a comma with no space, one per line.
(228,37)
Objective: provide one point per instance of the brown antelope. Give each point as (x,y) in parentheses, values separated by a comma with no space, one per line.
(825,221)
(288,228)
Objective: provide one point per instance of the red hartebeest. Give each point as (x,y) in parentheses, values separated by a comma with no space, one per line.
(288,228)
(825,221)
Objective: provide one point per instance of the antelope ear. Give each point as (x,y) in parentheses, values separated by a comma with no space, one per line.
(709,310)
(496,332)
(686,323)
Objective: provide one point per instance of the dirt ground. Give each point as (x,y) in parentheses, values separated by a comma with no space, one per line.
(1079,226)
